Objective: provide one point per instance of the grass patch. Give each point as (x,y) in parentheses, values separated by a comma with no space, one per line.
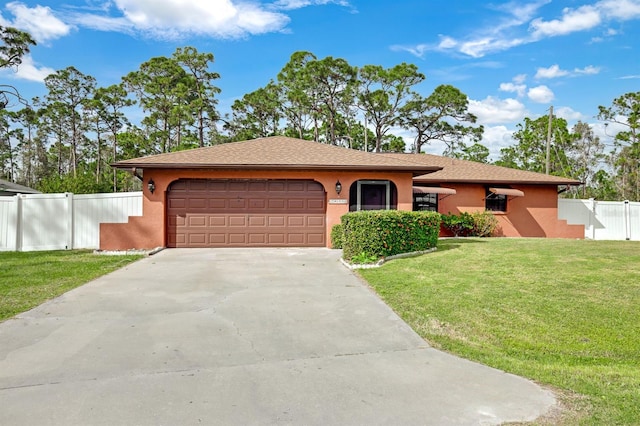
(28,279)
(564,313)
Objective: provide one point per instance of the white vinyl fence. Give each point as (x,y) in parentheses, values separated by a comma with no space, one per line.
(603,220)
(62,221)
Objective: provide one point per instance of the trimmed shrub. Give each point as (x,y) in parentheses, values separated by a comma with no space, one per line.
(381,233)
(459,225)
(476,224)
(485,224)
(337,236)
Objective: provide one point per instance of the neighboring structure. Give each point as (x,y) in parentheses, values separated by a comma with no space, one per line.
(8,189)
(280,191)
(525,203)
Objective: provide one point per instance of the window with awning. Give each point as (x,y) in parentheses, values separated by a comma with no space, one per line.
(433,190)
(507,191)
(427,197)
(497,198)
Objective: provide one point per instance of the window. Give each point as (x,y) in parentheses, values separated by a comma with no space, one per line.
(373,195)
(495,202)
(428,202)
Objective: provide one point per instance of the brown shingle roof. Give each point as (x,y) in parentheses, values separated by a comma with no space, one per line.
(454,170)
(277,152)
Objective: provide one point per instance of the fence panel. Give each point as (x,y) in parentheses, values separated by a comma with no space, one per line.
(8,223)
(44,222)
(634,221)
(603,220)
(92,209)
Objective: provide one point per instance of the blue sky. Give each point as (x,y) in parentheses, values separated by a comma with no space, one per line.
(513,59)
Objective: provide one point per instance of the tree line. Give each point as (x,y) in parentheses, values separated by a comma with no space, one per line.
(65,140)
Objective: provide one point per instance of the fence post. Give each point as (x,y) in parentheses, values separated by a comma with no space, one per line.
(627,219)
(19,228)
(69,206)
(592,217)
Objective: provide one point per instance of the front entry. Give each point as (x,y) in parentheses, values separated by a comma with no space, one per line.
(246,213)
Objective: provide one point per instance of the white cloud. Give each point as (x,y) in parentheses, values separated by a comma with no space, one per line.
(515,88)
(589,70)
(553,71)
(493,110)
(496,138)
(569,114)
(418,50)
(297,4)
(39,21)
(620,9)
(580,19)
(509,29)
(540,94)
(28,70)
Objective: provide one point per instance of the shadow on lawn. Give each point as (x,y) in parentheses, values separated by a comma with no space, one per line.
(445,244)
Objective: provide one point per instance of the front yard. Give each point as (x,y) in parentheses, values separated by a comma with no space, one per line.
(30,278)
(564,313)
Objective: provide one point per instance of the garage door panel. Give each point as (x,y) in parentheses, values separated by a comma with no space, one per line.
(257,238)
(219,213)
(237,186)
(218,203)
(260,221)
(316,205)
(240,239)
(218,221)
(276,221)
(315,221)
(197,239)
(237,221)
(197,221)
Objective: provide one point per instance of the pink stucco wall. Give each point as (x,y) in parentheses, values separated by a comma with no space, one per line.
(534,215)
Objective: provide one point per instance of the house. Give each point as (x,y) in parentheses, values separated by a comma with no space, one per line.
(280,191)
(274,191)
(525,203)
(8,189)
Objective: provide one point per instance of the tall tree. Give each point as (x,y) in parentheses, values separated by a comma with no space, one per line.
(14,45)
(201,91)
(112,101)
(441,116)
(625,112)
(256,115)
(334,85)
(69,90)
(382,94)
(297,99)
(161,86)
(588,155)
(529,153)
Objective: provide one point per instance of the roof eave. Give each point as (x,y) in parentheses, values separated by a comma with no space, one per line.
(416,171)
(503,181)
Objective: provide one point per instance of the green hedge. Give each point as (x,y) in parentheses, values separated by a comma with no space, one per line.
(337,236)
(476,224)
(382,233)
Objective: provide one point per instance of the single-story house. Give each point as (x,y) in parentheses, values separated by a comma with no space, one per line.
(525,203)
(280,191)
(8,189)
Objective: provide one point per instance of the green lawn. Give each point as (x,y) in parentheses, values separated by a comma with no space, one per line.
(565,313)
(30,278)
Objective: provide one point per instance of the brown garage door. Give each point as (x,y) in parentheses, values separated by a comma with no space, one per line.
(245,213)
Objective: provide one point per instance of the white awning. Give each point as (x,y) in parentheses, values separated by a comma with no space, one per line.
(433,190)
(507,191)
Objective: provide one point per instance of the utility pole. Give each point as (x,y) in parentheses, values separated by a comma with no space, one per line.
(549,139)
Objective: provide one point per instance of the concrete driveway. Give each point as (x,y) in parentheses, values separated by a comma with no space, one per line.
(240,337)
